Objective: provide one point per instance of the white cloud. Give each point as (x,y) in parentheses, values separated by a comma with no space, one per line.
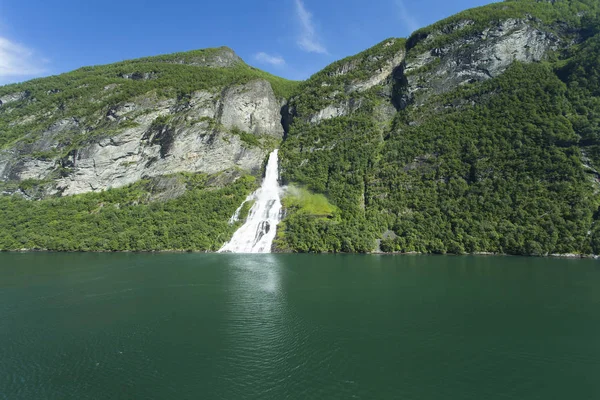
(269,59)
(308,39)
(17,60)
(406,17)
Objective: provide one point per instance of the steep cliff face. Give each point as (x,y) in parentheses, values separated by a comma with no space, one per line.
(477,56)
(253,108)
(231,123)
(365,80)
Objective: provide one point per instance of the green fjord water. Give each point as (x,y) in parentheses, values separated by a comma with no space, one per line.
(224,326)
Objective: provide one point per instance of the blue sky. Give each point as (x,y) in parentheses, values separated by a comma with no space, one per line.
(289,38)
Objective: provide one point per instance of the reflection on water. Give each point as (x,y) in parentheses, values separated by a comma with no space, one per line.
(257,273)
(258,325)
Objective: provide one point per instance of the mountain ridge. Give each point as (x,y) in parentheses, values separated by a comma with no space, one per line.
(452,140)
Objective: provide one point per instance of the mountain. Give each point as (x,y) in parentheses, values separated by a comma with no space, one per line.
(109,126)
(491,145)
(479,133)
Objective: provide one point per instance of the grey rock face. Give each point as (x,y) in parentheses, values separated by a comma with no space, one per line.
(224,57)
(10,98)
(120,111)
(338,110)
(379,77)
(196,138)
(164,188)
(138,76)
(131,156)
(477,57)
(252,107)
(348,100)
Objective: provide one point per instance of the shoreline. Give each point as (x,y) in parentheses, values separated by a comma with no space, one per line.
(564,256)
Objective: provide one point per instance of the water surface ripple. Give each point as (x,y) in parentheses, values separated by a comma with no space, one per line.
(270,326)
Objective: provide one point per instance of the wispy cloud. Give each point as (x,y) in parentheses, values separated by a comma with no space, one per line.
(410,22)
(269,59)
(308,39)
(18,61)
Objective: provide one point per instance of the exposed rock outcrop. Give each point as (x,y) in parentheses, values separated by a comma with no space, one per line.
(346,83)
(128,157)
(10,98)
(476,57)
(252,107)
(160,137)
(215,58)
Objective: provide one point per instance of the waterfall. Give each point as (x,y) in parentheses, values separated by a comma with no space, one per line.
(257,234)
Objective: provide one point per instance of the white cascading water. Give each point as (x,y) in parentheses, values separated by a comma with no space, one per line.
(257,234)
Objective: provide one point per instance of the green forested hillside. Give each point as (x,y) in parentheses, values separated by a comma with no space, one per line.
(503,176)
(126,219)
(505,166)
(331,84)
(504,162)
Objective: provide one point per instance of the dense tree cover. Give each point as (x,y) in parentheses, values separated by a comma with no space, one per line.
(582,75)
(504,166)
(125,219)
(503,176)
(335,158)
